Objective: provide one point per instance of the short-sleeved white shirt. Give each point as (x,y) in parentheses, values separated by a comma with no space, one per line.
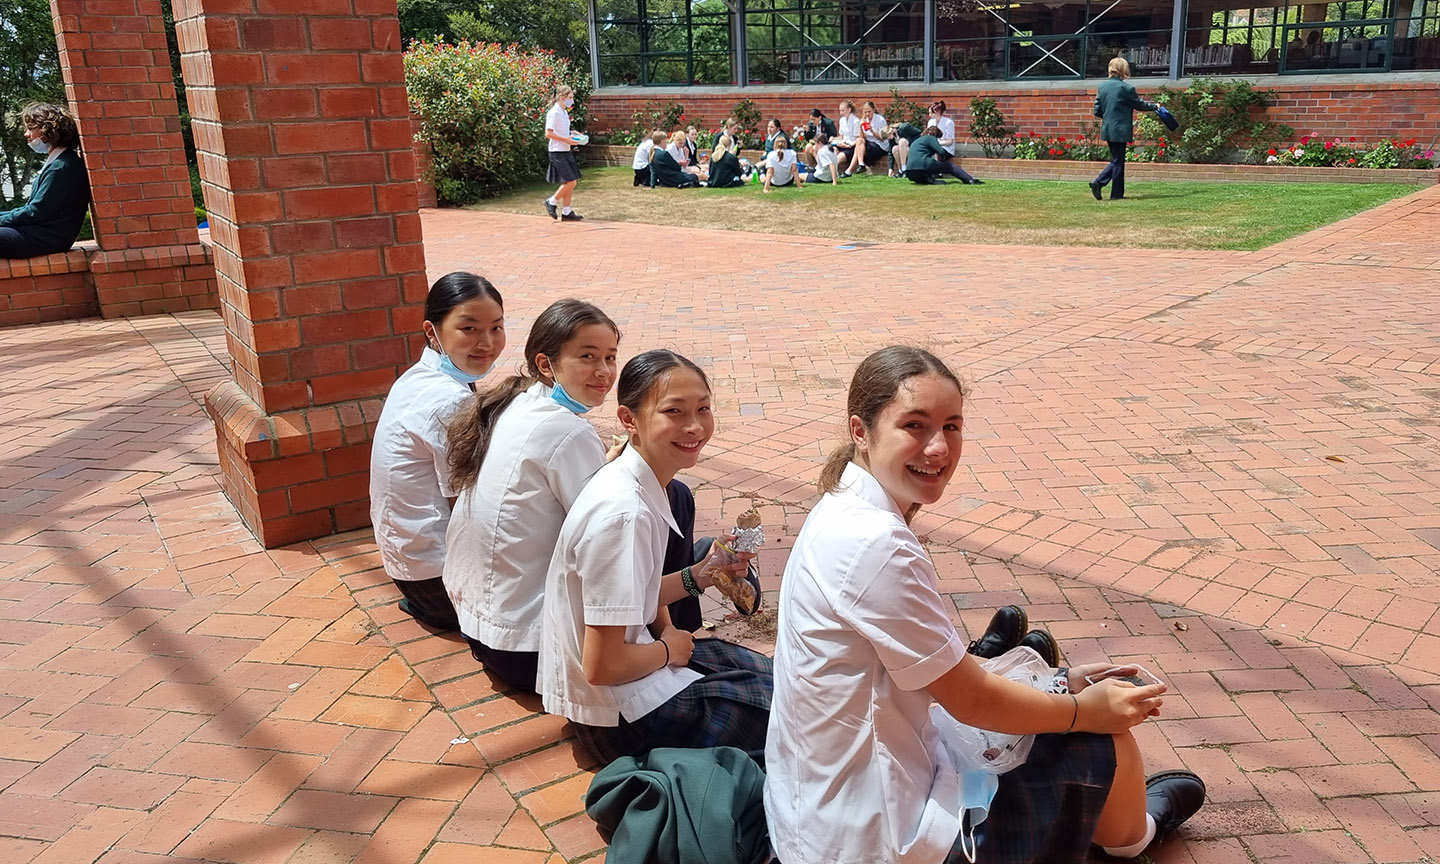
(826,160)
(784,163)
(606,572)
(502,533)
(855,771)
(947,132)
(557,120)
(849,128)
(679,152)
(876,131)
(643,154)
(409,480)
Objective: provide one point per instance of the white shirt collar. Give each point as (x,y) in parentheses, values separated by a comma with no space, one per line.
(54,152)
(632,463)
(862,484)
(430,358)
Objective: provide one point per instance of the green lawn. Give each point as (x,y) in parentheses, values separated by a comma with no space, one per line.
(1168,215)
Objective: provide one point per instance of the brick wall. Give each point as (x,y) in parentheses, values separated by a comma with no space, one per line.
(1367,110)
(118,80)
(305,143)
(49,288)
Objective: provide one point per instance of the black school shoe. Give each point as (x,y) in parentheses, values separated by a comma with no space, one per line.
(1171,797)
(551,210)
(572,216)
(1095,189)
(1007,625)
(1042,643)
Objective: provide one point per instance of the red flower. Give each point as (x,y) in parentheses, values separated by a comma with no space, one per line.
(1352,162)
(1062,137)
(1328,145)
(1271,151)
(1352,138)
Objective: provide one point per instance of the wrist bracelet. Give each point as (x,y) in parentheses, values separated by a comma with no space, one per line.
(1073,717)
(687,579)
(667,654)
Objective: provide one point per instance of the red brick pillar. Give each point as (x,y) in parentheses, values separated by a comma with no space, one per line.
(118,80)
(303,129)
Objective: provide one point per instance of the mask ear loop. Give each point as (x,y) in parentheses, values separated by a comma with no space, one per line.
(966,827)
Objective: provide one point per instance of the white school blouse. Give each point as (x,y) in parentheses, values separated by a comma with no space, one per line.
(606,572)
(854,771)
(557,120)
(643,153)
(947,132)
(409,480)
(502,533)
(877,129)
(849,128)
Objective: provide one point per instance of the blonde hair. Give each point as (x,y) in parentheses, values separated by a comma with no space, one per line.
(1119,68)
(659,136)
(722,147)
(563,90)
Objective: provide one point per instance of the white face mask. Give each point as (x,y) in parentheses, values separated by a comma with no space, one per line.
(39,146)
(568,103)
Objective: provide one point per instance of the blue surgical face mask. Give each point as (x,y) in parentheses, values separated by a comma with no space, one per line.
(568,103)
(559,395)
(449,368)
(977,791)
(39,146)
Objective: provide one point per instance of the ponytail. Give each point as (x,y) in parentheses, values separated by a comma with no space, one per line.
(835,467)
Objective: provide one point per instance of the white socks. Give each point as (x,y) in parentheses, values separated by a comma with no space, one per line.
(551,200)
(1135,849)
(567,211)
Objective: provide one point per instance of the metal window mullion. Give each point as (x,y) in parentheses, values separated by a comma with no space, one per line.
(593,10)
(929,51)
(1177,37)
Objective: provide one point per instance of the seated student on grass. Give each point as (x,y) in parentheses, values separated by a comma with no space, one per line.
(611,659)
(782,167)
(849,134)
(876,139)
(824,160)
(820,125)
(692,145)
(773,130)
(902,135)
(641,162)
(927,160)
(680,150)
(725,168)
(862,765)
(665,171)
(410,491)
(730,127)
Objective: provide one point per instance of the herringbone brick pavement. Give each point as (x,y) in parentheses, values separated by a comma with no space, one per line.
(1222,465)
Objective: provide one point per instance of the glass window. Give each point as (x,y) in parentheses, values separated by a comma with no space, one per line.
(1417,39)
(663,42)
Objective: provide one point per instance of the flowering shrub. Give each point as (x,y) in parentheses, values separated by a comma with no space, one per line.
(1033,146)
(1314,151)
(482,111)
(658,115)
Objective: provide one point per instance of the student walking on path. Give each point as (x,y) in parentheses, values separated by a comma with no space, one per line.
(563,171)
(1115,104)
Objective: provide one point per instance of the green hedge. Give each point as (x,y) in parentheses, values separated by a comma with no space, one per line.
(482,108)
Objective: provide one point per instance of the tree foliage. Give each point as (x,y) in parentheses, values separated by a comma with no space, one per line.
(29,72)
(559,25)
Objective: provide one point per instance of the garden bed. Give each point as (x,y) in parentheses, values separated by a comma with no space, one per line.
(1047,169)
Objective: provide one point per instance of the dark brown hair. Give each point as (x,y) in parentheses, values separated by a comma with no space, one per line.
(55,122)
(470,431)
(646,370)
(876,381)
(933,130)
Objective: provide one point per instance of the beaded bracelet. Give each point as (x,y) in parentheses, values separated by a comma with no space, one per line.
(687,579)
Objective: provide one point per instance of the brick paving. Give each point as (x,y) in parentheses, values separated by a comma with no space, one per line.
(1220,464)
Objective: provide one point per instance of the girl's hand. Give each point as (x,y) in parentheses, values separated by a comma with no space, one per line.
(1078,674)
(736,564)
(1112,706)
(681,644)
(617,446)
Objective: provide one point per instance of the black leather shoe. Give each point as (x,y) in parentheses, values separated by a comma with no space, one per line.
(1171,797)
(551,210)
(1095,189)
(1042,643)
(1006,627)
(572,216)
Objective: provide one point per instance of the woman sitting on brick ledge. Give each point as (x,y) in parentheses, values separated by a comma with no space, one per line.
(50,221)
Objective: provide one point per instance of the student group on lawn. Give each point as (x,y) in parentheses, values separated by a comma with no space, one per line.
(568,561)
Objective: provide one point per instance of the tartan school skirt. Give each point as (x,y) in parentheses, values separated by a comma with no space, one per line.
(563,167)
(1047,809)
(729,707)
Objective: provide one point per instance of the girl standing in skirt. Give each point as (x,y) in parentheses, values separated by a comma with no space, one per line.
(563,170)
(611,660)
(410,492)
(857,771)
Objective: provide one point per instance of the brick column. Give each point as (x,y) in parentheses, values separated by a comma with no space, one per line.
(300,117)
(118,81)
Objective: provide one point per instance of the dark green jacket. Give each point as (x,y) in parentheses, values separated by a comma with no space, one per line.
(694,806)
(725,172)
(925,151)
(666,172)
(56,209)
(1115,104)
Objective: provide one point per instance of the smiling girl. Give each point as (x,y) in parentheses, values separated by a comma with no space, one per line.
(410,493)
(519,456)
(611,660)
(857,769)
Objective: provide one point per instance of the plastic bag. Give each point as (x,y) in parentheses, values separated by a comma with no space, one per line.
(982,749)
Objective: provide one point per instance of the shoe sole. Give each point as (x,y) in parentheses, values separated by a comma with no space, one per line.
(1172,774)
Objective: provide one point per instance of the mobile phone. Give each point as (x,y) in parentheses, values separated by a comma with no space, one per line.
(1133,673)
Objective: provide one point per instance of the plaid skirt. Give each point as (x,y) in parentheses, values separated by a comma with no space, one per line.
(1047,809)
(729,707)
(563,167)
